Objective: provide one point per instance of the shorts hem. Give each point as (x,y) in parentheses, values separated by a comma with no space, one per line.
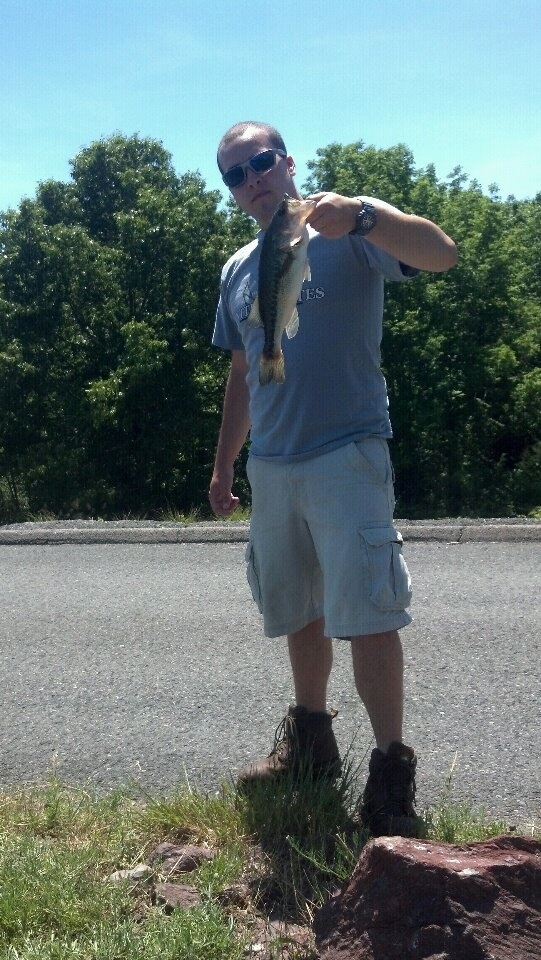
(281,630)
(345,631)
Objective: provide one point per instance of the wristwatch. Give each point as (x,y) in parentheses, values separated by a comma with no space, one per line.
(366,220)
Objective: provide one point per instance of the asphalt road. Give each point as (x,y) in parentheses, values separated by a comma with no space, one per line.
(145,663)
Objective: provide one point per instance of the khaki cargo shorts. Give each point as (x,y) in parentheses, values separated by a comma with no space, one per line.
(323,544)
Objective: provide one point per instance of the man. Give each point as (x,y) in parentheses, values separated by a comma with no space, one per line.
(324,559)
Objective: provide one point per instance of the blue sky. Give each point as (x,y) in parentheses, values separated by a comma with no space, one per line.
(459,82)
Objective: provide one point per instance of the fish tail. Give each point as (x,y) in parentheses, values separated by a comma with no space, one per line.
(271,367)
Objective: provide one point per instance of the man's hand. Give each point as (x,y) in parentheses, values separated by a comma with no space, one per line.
(221,499)
(334,215)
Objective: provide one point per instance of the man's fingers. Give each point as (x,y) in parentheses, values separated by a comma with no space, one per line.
(223,504)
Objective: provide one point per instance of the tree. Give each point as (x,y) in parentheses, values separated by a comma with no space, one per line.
(109,288)
(459,348)
(110,394)
(356,169)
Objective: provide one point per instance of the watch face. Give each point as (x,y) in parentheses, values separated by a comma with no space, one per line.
(366,220)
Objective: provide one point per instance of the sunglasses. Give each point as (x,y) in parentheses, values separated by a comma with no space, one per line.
(261,162)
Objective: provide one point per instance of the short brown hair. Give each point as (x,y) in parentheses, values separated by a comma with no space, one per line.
(239,129)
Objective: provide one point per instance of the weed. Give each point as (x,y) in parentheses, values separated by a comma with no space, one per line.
(192,817)
(458,823)
(309,834)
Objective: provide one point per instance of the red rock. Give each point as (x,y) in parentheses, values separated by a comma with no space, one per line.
(176,896)
(179,859)
(422,900)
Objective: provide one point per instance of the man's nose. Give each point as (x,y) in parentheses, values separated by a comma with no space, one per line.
(252,177)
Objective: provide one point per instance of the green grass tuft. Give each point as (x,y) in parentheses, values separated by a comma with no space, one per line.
(459,823)
(192,817)
(202,514)
(310,837)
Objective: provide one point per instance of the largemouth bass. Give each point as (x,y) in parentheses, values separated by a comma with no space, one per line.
(283,266)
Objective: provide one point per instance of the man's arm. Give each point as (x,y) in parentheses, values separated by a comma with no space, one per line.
(412,240)
(233,433)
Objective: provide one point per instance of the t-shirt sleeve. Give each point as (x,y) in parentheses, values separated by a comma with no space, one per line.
(226,333)
(387,265)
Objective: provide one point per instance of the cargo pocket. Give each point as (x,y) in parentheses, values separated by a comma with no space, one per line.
(252,576)
(390,583)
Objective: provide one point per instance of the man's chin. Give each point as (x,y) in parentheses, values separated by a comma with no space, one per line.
(263,207)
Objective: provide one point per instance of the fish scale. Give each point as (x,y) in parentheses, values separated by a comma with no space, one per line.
(283,265)
(267,316)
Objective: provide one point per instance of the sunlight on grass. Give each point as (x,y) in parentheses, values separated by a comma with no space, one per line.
(74,817)
(204,516)
(289,844)
(192,817)
(458,823)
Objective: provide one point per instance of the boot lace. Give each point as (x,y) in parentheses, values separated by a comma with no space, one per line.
(283,738)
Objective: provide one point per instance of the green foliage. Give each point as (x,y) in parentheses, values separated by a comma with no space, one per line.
(461,351)
(356,169)
(194,817)
(76,899)
(310,834)
(110,394)
(458,823)
(289,845)
(59,845)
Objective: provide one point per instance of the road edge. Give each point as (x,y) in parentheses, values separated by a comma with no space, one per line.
(103,531)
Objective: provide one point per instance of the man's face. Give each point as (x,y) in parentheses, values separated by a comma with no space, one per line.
(260,193)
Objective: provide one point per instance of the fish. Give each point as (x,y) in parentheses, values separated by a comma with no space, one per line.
(283,266)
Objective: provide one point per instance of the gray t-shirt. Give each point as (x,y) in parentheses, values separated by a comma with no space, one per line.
(334,390)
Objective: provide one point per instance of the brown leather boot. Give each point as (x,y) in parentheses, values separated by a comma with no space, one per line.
(304,742)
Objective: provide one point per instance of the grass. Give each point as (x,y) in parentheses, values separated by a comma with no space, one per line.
(286,847)
(170,515)
(11,514)
(199,516)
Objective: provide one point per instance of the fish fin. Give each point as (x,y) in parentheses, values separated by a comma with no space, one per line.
(293,325)
(307,271)
(271,368)
(295,242)
(254,317)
